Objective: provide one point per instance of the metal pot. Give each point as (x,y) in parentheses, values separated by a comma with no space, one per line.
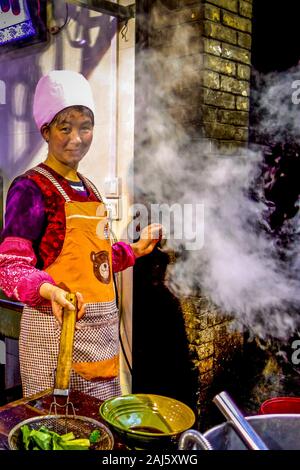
(279,432)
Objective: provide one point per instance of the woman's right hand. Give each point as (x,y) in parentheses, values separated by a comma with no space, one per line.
(58,299)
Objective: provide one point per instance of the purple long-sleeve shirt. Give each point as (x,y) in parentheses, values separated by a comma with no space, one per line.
(24,222)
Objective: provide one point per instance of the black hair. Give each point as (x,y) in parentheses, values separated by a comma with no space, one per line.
(59,117)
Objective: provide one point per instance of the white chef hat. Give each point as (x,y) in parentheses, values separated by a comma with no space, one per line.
(58,90)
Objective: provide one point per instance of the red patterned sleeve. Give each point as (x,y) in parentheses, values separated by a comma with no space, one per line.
(19,278)
(122,256)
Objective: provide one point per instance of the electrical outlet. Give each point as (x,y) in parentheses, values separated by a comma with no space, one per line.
(112,187)
(113,206)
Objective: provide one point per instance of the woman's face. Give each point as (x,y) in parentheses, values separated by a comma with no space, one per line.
(69,137)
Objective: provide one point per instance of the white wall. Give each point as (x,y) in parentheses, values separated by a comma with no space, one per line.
(84,45)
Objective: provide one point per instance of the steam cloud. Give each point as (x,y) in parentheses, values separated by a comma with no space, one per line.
(276,96)
(238,266)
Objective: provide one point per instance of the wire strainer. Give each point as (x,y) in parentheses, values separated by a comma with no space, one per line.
(81,426)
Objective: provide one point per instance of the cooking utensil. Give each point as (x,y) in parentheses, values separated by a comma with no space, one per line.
(65,355)
(279,432)
(81,426)
(192,439)
(244,429)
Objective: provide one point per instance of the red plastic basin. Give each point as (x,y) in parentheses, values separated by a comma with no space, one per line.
(280,405)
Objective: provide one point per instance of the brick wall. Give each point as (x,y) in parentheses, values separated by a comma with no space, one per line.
(226,70)
(216,353)
(216,101)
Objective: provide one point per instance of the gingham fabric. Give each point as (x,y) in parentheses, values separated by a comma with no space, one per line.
(96,340)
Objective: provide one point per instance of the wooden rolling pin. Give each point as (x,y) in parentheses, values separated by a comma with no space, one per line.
(65,355)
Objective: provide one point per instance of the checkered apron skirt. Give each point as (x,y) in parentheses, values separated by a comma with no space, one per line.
(39,345)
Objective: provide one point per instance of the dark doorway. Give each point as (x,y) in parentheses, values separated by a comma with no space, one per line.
(275,65)
(275,35)
(160,350)
(276,60)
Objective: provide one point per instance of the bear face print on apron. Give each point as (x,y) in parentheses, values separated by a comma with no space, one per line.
(83,265)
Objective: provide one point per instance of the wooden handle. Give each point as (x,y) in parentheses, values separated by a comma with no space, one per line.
(65,356)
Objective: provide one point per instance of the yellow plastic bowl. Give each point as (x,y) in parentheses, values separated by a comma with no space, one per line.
(143,420)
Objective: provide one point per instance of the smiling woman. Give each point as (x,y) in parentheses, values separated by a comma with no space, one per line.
(69,136)
(56,240)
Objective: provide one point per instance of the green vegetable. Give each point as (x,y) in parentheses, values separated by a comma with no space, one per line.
(26,436)
(56,445)
(41,439)
(95,436)
(68,437)
(44,439)
(76,444)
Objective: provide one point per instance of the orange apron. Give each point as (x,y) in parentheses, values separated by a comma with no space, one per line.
(83,265)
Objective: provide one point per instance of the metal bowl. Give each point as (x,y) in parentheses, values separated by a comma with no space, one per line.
(145,421)
(81,426)
(278,431)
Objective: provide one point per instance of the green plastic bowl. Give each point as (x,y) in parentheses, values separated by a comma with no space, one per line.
(145,421)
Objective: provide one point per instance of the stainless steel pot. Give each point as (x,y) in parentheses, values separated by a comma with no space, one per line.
(279,432)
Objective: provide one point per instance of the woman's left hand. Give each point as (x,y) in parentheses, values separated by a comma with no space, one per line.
(150,235)
(58,298)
